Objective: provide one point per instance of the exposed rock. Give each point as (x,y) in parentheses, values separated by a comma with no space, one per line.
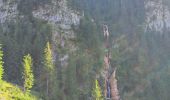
(59,14)
(8,10)
(157,15)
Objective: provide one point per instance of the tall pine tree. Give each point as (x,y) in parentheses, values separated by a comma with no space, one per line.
(97,93)
(48,60)
(49,66)
(28,73)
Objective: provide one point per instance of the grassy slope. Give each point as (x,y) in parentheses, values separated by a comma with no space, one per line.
(11,92)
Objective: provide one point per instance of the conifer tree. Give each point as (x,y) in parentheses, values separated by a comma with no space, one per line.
(49,65)
(97,93)
(1,63)
(48,60)
(28,73)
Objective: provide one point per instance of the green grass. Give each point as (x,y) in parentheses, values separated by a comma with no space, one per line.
(11,92)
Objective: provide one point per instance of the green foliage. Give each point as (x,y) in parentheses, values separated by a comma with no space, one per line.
(90,43)
(28,73)
(48,59)
(143,58)
(77,78)
(11,92)
(1,63)
(20,37)
(97,93)
(140,57)
(88,34)
(51,75)
(71,84)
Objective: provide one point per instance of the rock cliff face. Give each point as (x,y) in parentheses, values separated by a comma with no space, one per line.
(58,13)
(157,15)
(8,10)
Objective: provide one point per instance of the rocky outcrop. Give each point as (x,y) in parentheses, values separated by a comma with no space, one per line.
(58,13)
(157,15)
(8,10)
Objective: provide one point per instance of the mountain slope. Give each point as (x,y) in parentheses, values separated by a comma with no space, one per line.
(11,92)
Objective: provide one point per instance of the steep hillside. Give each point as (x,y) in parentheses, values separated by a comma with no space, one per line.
(11,92)
(157,15)
(73,29)
(26,27)
(140,43)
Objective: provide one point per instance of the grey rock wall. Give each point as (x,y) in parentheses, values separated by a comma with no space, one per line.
(157,15)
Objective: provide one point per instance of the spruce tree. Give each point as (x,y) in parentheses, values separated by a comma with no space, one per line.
(1,63)
(97,93)
(48,60)
(28,73)
(49,65)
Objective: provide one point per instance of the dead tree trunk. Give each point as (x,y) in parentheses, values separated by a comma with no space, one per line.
(113,85)
(110,84)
